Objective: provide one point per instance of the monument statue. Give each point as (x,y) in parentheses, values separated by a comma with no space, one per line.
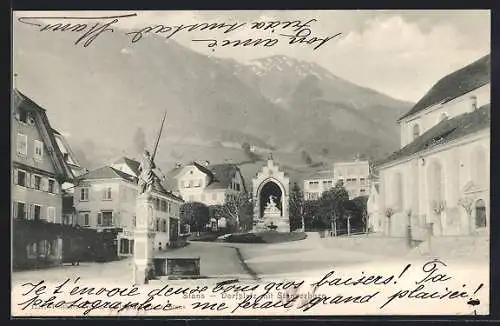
(146,176)
(271,209)
(144,234)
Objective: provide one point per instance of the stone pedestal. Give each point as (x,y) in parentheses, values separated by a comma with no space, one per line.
(144,239)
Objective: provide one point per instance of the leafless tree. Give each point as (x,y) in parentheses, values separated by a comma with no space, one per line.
(467,203)
(389,212)
(439,206)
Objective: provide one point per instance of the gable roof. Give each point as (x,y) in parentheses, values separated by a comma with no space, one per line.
(107,172)
(46,132)
(445,131)
(131,163)
(460,82)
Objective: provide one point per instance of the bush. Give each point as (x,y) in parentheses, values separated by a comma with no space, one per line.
(266,237)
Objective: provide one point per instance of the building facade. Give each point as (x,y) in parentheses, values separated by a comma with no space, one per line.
(316,184)
(354,175)
(38,173)
(105,198)
(208,184)
(439,180)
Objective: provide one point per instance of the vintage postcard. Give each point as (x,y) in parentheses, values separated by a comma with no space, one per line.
(250,163)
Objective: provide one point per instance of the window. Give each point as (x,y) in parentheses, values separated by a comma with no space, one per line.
(416,131)
(21,178)
(134,221)
(362,190)
(51,214)
(164,226)
(36,212)
(157,203)
(51,187)
(169,207)
(187,184)
(106,193)
(38,154)
(86,219)
(67,219)
(23,116)
(238,188)
(163,205)
(38,182)
(19,210)
(84,194)
(22,144)
(99,218)
(197,183)
(107,218)
(474,102)
(157,225)
(362,181)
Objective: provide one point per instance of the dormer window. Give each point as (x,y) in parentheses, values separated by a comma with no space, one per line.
(416,131)
(23,116)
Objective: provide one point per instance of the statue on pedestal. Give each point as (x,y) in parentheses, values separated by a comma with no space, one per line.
(146,176)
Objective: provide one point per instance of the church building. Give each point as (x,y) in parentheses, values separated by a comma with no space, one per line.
(438,181)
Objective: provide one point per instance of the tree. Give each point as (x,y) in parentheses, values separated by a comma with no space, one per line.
(361,208)
(215,212)
(311,215)
(296,208)
(139,140)
(439,206)
(237,209)
(195,214)
(389,212)
(467,203)
(332,204)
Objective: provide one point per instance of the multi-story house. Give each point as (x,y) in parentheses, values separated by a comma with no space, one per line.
(443,164)
(208,184)
(316,184)
(354,175)
(38,172)
(105,198)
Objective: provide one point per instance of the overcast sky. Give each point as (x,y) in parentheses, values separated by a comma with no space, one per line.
(399,53)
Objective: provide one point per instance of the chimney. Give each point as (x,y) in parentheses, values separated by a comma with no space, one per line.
(178,165)
(65,155)
(206,163)
(473,103)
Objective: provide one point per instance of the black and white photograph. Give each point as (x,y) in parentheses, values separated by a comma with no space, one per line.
(250,163)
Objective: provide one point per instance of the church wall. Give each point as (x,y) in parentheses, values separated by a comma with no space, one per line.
(418,185)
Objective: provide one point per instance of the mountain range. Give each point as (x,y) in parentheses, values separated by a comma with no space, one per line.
(101,97)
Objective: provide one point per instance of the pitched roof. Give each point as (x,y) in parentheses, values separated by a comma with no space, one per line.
(445,131)
(455,84)
(321,175)
(107,172)
(131,163)
(46,132)
(223,175)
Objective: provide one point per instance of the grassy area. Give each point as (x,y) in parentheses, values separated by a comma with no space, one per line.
(266,237)
(205,236)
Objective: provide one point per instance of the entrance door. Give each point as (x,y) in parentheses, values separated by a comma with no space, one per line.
(480,214)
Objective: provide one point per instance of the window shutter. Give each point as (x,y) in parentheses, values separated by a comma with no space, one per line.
(29,212)
(15,176)
(45,184)
(14,209)
(99,218)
